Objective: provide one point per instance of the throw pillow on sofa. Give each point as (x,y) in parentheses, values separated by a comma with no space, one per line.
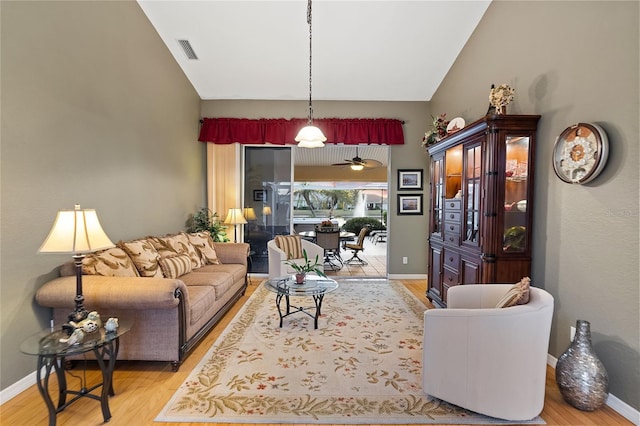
(113,262)
(171,245)
(144,257)
(175,266)
(204,244)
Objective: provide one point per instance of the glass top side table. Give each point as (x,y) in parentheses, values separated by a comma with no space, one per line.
(51,355)
(314,286)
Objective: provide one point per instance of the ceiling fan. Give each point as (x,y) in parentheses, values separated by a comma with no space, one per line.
(357,163)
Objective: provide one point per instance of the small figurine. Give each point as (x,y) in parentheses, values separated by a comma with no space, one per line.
(76,337)
(90,324)
(111,325)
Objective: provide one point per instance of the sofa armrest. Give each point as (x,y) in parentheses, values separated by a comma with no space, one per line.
(113,292)
(232,252)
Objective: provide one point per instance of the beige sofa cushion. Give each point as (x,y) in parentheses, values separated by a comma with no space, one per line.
(171,245)
(113,262)
(221,282)
(238,272)
(144,257)
(201,298)
(175,266)
(204,245)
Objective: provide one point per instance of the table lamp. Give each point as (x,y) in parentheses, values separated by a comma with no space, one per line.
(235,218)
(249,213)
(78,232)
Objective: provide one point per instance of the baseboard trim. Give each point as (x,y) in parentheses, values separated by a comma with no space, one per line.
(407,276)
(17,388)
(616,404)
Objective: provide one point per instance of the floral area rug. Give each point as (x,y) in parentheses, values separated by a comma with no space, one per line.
(362,365)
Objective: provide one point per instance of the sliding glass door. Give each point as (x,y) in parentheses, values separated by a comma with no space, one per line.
(268,176)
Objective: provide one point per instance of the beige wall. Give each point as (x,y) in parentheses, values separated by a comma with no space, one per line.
(94,111)
(571,62)
(408,234)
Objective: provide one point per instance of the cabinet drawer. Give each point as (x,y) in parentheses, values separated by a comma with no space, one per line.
(452,229)
(451,260)
(453,204)
(452,216)
(449,277)
(452,239)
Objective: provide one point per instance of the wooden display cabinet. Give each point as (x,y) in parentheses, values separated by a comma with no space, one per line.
(481,204)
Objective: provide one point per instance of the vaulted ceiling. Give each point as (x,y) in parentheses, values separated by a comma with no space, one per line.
(385,50)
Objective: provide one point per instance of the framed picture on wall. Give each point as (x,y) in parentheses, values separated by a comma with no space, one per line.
(410,204)
(409,179)
(259,195)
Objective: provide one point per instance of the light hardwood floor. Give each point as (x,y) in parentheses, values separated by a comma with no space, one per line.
(143,388)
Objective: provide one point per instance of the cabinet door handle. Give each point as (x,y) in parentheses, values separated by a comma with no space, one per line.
(451,228)
(451,205)
(451,259)
(451,216)
(450,279)
(451,239)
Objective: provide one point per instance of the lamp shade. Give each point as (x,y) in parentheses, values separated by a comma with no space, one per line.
(235,217)
(266,210)
(76,231)
(310,137)
(249,213)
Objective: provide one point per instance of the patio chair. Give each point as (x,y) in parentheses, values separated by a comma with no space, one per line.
(357,247)
(330,242)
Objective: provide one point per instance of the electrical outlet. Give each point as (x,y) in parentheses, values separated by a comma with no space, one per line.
(572,333)
(405,260)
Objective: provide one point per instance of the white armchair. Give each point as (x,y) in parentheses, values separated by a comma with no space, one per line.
(491,361)
(277,258)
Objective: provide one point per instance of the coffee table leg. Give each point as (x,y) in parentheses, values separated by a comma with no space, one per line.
(278,300)
(318,301)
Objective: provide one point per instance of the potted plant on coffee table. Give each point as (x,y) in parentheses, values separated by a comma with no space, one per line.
(302,269)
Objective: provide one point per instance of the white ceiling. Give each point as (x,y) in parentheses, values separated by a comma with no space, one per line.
(384,50)
(332,154)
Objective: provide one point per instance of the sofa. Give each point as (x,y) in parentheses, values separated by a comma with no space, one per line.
(172,289)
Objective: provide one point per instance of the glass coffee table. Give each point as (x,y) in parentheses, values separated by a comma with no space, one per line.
(314,286)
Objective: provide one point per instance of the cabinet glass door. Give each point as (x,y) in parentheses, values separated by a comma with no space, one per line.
(516,193)
(437,195)
(472,167)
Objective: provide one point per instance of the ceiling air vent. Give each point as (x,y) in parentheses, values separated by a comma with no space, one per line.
(188,50)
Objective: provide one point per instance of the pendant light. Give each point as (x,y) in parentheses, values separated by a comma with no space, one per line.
(310,136)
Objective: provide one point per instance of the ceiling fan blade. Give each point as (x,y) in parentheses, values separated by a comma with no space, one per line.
(342,164)
(371,163)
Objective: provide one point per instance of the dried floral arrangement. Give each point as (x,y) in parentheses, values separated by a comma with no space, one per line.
(437,131)
(501,96)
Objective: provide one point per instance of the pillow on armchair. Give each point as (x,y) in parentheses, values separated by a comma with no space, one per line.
(517,295)
(290,244)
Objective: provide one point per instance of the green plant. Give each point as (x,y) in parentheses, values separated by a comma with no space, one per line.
(355,224)
(308,265)
(206,220)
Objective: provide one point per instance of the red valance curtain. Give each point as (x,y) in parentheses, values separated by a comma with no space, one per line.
(280,131)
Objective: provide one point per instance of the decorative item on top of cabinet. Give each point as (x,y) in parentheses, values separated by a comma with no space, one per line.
(481,204)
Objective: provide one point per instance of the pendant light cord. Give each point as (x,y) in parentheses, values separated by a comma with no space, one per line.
(310,119)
